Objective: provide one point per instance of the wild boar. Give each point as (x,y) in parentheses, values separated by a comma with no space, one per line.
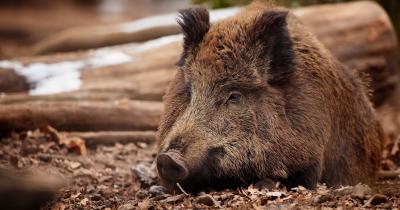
(258,97)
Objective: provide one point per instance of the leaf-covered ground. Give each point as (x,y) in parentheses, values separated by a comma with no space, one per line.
(122,177)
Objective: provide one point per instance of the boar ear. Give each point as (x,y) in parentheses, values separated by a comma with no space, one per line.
(270,29)
(194,23)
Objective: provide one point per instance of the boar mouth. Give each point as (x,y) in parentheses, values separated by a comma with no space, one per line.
(207,176)
(197,183)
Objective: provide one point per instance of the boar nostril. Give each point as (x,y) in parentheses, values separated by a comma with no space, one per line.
(171,167)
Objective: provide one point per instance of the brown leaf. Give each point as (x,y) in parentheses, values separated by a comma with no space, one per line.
(174,199)
(144,205)
(76,144)
(73,143)
(207,200)
(58,206)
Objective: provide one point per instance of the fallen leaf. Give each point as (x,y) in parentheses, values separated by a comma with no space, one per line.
(144,205)
(58,206)
(323,198)
(207,200)
(73,143)
(84,201)
(275,194)
(76,144)
(360,190)
(127,206)
(174,199)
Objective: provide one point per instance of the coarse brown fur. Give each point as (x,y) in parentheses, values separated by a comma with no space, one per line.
(257,97)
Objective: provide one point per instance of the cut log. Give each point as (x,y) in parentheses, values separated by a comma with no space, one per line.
(27,189)
(135,31)
(365,41)
(93,139)
(85,95)
(81,116)
(360,35)
(124,70)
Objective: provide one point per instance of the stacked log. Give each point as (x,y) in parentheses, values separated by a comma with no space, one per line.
(110,89)
(81,116)
(93,139)
(365,41)
(142,73)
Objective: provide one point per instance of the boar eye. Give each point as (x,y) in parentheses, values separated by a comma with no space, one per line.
(234,97)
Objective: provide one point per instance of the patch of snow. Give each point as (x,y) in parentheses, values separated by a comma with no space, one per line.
(158,42)
(170,19)
(56,81)
(298,12)
(50,78)
(106,57)
(148,22)
(219,14)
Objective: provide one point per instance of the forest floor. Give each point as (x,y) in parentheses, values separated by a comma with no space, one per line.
(123,177)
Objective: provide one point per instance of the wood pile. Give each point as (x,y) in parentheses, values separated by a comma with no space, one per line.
(114,93)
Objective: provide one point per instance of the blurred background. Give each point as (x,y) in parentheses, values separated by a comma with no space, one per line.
(106,50)
(25,22)
(392,7)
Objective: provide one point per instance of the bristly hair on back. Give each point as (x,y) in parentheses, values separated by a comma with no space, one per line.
(194,23)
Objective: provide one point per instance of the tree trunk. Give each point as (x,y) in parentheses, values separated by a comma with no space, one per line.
(360,35)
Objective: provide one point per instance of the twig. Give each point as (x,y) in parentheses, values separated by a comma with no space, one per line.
(181,189)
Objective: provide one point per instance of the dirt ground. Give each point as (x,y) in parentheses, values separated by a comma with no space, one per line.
(123,177)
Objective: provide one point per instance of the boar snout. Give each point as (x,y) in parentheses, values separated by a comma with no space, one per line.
(172,167)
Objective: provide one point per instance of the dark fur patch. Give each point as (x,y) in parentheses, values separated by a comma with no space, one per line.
(270,28)
(195,23)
